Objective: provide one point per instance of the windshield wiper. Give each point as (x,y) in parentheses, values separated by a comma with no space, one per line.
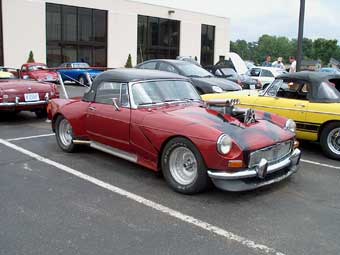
(150,103)
(208,76)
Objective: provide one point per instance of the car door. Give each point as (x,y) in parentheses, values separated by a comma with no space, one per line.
(286,98)
(105,123)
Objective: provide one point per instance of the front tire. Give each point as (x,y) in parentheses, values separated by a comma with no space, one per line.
(330,140)
(183,167)
(64,134)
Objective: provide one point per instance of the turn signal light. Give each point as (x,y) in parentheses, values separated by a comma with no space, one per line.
(235,164)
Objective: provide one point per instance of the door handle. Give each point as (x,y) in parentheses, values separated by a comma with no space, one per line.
(300,105)
(91,108)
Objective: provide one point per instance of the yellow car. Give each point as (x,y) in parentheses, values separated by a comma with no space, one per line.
(311,99)
(6,75)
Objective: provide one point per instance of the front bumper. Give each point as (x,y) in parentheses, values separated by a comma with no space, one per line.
(249,179)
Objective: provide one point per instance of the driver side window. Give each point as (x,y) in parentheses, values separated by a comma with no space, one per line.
(289,89)
(108,90)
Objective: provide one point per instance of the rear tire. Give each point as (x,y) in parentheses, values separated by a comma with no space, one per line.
(330,140)
(64,134)
(183,167)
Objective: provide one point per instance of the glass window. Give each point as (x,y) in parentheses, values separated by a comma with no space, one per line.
(157,38)
(191,70)
(207,45)
(255,72)
(149,65)
(24,68)
(76,34)
(266,73)
(163,91)
(289,89)
(108,90)
(167,68)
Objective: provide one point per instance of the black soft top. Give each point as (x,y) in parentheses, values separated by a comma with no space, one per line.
(126,75)
(315,79)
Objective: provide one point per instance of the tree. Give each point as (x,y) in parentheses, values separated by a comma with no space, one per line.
(30,57)
(128,62)
(324,49)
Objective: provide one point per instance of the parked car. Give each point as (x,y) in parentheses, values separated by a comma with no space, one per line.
(230,74)
(235,62)
(329,70)
(38,71)
(188,59)
(76,71)
(265,75)
(26,95)
(311,99)
(203,81)
(157,119)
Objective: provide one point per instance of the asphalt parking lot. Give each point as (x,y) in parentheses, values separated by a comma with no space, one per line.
(92,203)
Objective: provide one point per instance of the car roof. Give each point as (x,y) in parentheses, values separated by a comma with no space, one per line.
(133,74)
(313,77)
(171,61)
(34,64)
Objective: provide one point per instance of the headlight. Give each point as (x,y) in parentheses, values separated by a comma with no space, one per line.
(224,144)
(291,126)
(217,89)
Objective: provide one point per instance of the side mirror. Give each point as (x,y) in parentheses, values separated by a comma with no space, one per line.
(115,103)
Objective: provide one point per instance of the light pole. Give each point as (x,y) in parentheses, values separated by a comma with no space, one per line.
(300,35)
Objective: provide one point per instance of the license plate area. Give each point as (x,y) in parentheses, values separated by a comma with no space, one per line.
(31,97)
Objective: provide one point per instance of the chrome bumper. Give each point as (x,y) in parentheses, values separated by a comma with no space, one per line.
(260,176)
(14,104)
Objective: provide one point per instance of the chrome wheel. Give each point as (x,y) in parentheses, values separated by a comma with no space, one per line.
(65,132)
(333,141)
(183,165)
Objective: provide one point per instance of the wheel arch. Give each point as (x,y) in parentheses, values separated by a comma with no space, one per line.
(54,119)
(321,128)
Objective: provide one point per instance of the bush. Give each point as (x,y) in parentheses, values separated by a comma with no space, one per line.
(30,58)
(128,62)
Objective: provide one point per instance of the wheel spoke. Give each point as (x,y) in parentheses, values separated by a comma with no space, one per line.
(183,165)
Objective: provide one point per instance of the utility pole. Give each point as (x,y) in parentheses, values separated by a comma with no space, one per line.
(300,35)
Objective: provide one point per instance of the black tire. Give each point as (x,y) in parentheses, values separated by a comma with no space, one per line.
(327,148)
(41,114)
(201,181)
(65,147)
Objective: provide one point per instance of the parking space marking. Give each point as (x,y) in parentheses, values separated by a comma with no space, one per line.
(158,207)
(29,137)
(319,164)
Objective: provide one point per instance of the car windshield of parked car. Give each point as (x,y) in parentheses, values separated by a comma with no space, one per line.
(228,71)
(80,65)
(154,92)
(37,68)
(191,70)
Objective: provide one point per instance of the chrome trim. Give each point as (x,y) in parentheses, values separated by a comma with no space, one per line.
(115,152)
(23,103)
(248,173)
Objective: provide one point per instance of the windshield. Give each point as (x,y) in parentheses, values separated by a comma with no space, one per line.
(191,70)
(228,71)
(37,68)
(80,65)
(328,91)
(163,91)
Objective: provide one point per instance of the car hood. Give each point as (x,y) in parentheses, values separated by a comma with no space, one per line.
(23,86)
(224,84)
(206,124)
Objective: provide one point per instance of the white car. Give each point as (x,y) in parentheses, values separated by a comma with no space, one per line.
(266,75)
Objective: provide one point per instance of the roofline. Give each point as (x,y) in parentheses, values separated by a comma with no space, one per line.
(180,9)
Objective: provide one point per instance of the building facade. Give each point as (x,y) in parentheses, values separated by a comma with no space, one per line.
(105,32)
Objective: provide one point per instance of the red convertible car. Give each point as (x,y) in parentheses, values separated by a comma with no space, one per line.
(158,120)
(25,95)
(38,71)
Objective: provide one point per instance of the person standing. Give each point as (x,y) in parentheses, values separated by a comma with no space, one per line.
(267,62)
(292,61)
(278,63)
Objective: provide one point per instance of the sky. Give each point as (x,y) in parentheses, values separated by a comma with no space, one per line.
(252,18)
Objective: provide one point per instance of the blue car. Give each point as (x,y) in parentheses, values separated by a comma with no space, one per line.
(77,72)
(329,70)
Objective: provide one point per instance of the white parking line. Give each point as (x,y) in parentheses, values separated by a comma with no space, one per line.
(319,164)
(29,137)
(158,207)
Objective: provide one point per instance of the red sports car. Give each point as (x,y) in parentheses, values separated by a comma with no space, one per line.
(24,95)
(38,71)
(158,120)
